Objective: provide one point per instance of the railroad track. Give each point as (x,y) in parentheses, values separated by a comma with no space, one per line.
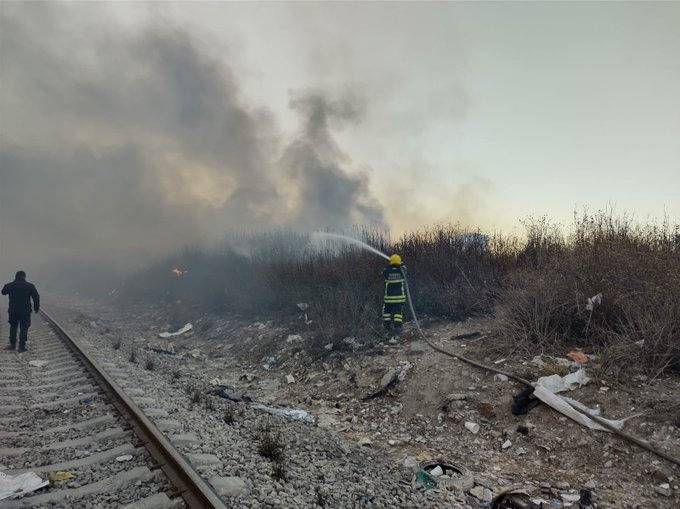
(75,421)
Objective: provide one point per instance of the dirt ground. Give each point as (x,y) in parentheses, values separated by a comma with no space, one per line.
(423,414)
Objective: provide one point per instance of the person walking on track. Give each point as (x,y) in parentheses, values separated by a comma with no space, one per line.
(395,296)
(20,293)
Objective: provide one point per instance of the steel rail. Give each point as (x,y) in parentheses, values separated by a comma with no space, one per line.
(190,485)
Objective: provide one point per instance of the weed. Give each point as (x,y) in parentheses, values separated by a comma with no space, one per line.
(133,356)
(149,364)
(229,415)
(195,397)
(176,374)
(279,472)
(116,344)
(270,445)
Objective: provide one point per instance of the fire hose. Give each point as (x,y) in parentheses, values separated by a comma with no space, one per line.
(602,422)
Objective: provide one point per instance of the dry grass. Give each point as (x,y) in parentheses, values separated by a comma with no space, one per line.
(538,285)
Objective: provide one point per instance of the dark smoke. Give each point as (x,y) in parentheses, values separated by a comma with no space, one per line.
(120,147)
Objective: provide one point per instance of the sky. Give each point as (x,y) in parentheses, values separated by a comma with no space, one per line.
(129,129)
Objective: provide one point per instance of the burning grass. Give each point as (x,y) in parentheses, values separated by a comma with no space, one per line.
(538,286)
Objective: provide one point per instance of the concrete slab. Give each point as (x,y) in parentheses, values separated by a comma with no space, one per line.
(202,459)
(184,439)
(156,412)
(169,425)
(156,501)
(107,434)
(229,486)
(108,485)
(100,457)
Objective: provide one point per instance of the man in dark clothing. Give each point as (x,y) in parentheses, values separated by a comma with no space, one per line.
(20,292)
(395,296)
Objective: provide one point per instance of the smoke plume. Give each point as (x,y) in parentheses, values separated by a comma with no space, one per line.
(121,145)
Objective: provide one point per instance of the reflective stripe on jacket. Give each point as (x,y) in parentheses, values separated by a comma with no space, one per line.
(394,285)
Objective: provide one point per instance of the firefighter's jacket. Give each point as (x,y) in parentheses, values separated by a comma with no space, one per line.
(394,284)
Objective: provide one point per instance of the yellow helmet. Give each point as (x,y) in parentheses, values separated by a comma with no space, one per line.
(395,259)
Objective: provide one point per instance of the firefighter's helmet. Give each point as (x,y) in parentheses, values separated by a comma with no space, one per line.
(395,259)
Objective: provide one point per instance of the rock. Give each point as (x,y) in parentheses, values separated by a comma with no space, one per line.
(388,377)
(329,346)
(365,442)
(590,485)
(498,377)
(229,486)
(663,489)
(416,348)
(562,485)
(395,409)
(608,464)
(436,471)
(661,476)
(456,397)
(507,444)
(248,377)
(290,379)
(411,462)
(472,427)
(125,457)
(570,498)
(488,495)
(478,492)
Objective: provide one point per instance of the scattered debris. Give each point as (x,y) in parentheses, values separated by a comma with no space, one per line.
(448,475)
(425,480)
(557,383)
(294,338)
(187,327)
(388,381)
(469,335)
(125,457)
(289,413)
(365,442)
(487,410)
(61,475)
(436,471)
(498,377)
(472,427)
(303,306)
(18,485)
(37,364)
(290,379)
(578,357)
(231,393)
(593,301)
(524,401)
(663,489)
(506,445)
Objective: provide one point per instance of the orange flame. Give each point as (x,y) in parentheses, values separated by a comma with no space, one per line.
(179,271)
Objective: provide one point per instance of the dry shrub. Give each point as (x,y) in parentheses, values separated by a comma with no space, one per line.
(538,285)
(635,267)
(649,332)
(270,445)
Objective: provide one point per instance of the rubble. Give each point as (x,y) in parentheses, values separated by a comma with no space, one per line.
(409,425)
(187,327)
(663,489)
(472,427)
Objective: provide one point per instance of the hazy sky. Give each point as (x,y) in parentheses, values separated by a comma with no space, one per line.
(505,108)
(138,127)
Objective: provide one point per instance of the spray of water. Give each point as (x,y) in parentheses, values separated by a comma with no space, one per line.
(318,237)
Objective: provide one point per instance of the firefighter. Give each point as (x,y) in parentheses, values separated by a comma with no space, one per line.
(395,295)
(20,293)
